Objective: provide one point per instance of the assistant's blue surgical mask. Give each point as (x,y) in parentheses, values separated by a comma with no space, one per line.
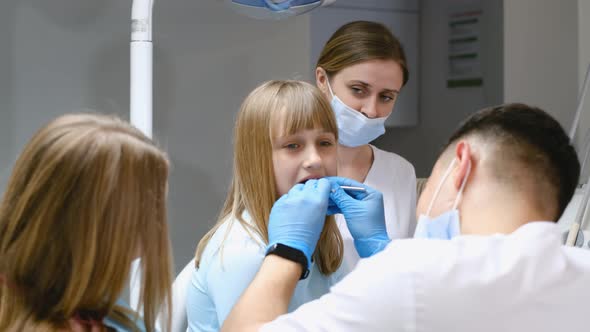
(448,224)
(355,129)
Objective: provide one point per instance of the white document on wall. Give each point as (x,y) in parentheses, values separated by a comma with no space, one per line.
(464,45)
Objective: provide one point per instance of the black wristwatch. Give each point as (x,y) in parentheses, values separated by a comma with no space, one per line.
(291,254)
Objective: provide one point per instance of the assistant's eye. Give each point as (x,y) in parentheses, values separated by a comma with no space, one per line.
(356,90)
(387,98)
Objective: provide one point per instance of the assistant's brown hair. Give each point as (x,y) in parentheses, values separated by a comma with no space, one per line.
(361,41)
(86,197)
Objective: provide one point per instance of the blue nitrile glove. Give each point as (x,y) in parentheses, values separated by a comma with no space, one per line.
(297,218)
(364,215)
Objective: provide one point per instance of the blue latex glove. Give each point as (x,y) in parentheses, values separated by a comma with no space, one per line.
(364,215)
(297,218)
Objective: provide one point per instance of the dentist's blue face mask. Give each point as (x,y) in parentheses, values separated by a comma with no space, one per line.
(354,129)
(447,225)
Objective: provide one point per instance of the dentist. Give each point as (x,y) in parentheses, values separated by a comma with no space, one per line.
(489,259)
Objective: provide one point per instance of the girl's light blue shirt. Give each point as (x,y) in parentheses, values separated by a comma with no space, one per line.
(226,271)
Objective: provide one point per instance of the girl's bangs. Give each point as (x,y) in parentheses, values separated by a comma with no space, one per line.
(303,114)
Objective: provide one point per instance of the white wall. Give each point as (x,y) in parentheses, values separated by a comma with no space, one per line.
(6,90)
(64,55)
(530,55)
(442,108)
(541,55)
(583,44)
(583,39)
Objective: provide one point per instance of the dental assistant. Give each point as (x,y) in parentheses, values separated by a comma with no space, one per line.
(490,257)
(361,71)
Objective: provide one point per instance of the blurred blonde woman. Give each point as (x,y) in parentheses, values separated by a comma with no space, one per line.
(86,197)
(285,134)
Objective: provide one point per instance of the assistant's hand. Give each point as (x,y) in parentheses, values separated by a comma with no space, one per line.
(297,218)
(364,215)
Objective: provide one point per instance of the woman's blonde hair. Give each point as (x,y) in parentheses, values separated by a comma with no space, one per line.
(289,106)
(361,41)
(86,197)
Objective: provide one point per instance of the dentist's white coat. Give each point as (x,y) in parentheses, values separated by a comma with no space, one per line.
(525,281)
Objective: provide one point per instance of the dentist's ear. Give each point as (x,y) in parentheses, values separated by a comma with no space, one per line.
(464,158)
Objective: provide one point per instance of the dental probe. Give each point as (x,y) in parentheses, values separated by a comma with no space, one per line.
(351,188)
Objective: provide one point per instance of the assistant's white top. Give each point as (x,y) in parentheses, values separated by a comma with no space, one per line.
(224,274)
(395,178)
(526,281)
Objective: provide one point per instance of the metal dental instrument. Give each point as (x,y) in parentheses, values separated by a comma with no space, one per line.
(351,188)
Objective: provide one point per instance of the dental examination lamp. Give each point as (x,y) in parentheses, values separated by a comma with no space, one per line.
(141,79)
(275,9)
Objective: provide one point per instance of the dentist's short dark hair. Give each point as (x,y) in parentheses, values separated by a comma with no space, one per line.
(531,137)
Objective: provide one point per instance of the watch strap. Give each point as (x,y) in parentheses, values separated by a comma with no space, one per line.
(291,254)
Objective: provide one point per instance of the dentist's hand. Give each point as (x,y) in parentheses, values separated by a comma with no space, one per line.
(297,218)
(364,215)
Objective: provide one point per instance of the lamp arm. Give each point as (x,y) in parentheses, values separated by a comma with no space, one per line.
(141,66)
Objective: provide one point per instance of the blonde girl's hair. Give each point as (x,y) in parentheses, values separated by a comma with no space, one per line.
(361,41)
(86,197)
(288,106)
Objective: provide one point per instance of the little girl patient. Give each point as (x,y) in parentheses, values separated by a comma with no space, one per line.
(285,134)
